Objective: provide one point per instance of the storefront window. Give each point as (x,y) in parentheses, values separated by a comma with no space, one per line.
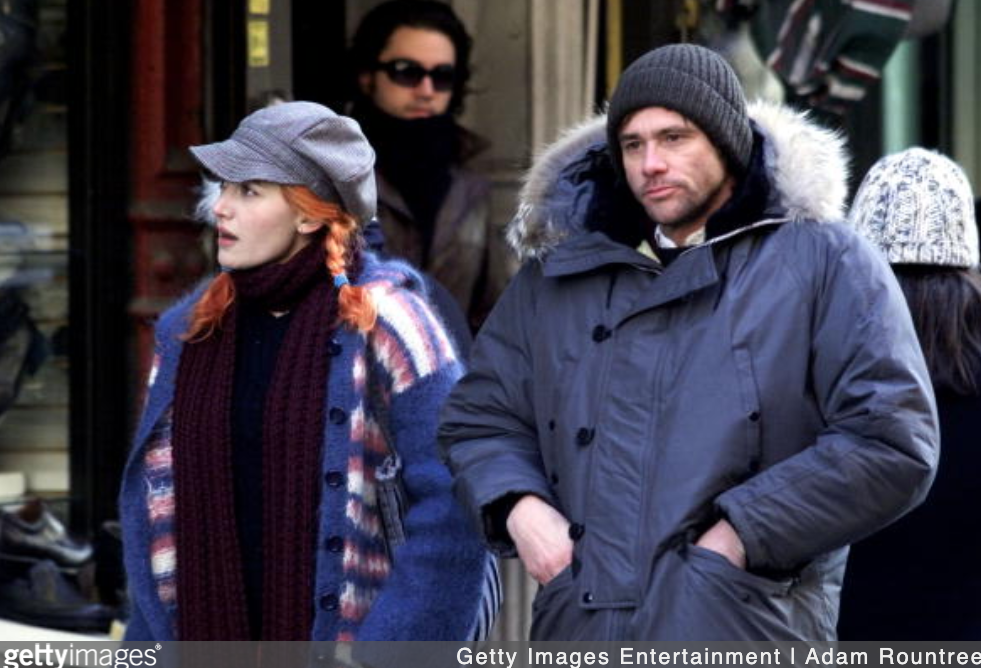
(34,365)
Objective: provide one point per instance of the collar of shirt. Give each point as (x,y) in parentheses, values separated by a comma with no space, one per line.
(694,239)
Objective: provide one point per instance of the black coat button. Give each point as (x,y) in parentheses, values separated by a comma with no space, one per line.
(601,333)
(335,544)
(337,415)
(334,478)
(754,416)
(587,597)
(554,478)
(328,602)
(585,436)
(334,348)
(576,531)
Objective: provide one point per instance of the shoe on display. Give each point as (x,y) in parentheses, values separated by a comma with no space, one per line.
(46,597)
(33,531)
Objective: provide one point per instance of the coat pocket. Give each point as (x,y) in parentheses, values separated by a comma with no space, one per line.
(716,567)
(551,609)
(562,580)
(557,615)
(722,602)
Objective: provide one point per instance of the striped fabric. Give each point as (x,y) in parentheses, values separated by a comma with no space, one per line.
(491,598)
(827,51)
(160,504)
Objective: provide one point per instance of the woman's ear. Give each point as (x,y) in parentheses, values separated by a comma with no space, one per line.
(309,226)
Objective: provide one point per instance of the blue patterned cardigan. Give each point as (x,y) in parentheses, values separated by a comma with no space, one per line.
(432,590)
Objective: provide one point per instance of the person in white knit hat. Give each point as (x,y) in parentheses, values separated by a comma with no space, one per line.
(918,579)
(917,206)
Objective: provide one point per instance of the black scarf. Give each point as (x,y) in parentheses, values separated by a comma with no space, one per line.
(210,587)
(415,156)
(749,200)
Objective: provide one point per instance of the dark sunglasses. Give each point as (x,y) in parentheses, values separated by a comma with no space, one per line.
(409,73)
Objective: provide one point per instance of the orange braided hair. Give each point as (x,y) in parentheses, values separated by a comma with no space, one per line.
(354,303)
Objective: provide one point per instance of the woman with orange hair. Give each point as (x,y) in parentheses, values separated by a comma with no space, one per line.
(250,504)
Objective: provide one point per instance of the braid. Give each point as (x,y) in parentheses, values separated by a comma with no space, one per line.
(354,302)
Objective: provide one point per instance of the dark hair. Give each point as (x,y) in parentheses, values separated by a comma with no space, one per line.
(946,308)
(380,22)
(977,216)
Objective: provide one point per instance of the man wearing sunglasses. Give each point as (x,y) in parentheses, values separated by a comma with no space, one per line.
(411,62)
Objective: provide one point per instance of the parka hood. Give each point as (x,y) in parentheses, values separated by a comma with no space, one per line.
(807,166)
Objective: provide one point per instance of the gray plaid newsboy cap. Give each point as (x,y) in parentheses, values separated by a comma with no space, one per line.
(299,143)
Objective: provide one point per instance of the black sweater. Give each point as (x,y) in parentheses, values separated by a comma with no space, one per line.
(258,340)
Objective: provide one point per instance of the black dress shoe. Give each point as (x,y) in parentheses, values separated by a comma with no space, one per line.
(34,532)
(47,598)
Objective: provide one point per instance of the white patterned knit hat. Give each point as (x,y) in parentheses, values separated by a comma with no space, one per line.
(917,206)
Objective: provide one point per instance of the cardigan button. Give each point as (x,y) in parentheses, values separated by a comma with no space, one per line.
(601,333)
(337,415)
(334,478)
(585,436)
(576,531)
(587,597)
(335,544)
(334,348)
(329,602)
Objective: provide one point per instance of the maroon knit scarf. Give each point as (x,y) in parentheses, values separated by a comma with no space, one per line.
(210,586)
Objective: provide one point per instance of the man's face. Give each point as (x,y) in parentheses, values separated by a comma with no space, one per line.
(673,170)
(427,48)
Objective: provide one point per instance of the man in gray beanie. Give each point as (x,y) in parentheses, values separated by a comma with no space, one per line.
(699,389)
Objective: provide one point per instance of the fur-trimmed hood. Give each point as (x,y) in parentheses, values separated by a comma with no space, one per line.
(807,166)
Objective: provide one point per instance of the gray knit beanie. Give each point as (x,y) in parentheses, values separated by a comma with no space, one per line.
(917,206)
(299,143)
(695,82)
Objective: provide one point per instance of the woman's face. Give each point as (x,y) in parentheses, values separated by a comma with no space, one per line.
(256,226)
